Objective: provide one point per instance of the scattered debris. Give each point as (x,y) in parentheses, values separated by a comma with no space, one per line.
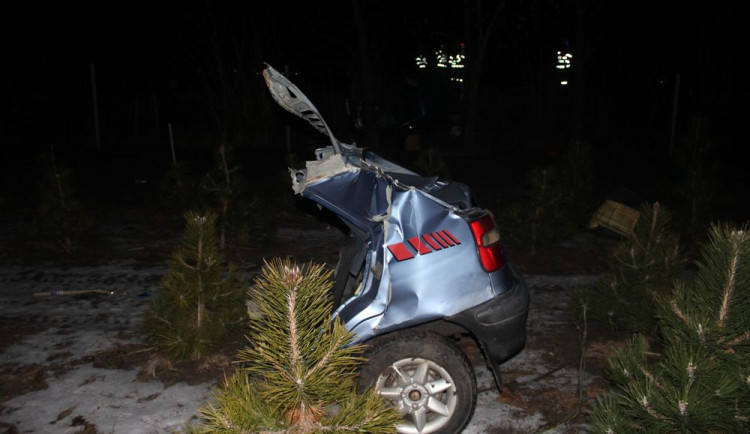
(73,292)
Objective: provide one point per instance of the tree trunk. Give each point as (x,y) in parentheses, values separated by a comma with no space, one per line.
(372,134)
(478,30)
(471,103)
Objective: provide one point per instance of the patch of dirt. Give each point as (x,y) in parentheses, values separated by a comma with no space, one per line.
(7,428)
(87,427)
(560,406)
(123,356)
(13,330)
(18,380)
(216,367)
(600,349)
(219,365)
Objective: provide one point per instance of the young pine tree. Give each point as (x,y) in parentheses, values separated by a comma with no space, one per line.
(59,218)
(557,197)
(225,190)
(695,180)
(545,216)
(642,268)
(701,381)
(201,299)
(176,189)
(298,374)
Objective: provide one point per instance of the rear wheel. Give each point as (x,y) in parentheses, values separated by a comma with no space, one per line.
(426,378)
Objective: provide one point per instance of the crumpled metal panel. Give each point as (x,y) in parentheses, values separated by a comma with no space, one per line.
(289,97)
(429,283)
(437,280)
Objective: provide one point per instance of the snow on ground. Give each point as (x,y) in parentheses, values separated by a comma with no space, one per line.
(73,329)
(113,400)
(69,330)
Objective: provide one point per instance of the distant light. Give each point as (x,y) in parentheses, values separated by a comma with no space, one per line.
(456,61)
(441,59)
(564,83)
(453,58)
(563,60)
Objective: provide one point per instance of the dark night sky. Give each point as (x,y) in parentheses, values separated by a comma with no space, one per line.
(153,45)
(53,46)
(50,42)
(132,42)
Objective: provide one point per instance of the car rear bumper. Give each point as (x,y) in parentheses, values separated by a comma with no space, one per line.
(499,325)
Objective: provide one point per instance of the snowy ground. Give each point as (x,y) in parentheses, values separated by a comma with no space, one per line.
(62,334)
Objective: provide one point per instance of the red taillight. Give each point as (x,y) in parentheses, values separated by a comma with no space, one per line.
(489,245)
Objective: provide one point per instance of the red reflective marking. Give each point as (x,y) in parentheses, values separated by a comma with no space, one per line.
(431,242)
(437,238)
(400,252)
(446,239)
(455,240)
(419,246)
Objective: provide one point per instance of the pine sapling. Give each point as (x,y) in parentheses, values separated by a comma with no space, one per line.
(176,188)
(545,216)
(201,299)
(641,269)
(224,189)
(59,218)
(298,373)
(701,381)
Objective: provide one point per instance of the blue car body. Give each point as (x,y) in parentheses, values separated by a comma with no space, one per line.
(420,252)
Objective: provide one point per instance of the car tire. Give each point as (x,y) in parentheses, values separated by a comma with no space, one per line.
(427,379)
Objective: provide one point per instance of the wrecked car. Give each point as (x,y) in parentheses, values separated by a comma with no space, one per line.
(422,265)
